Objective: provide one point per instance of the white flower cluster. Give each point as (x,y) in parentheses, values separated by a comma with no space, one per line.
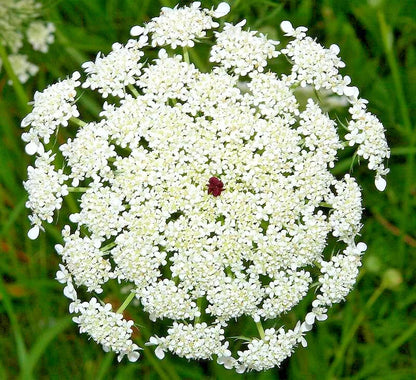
(51,108)
(211,194)
(84,260)
(18,18)
(198,341)
(242,50)
(120,68)
(107,328)
(181,26)
(271,350)
(366,131)
(46,188)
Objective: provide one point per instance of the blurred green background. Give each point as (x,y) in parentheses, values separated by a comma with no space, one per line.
(371,336)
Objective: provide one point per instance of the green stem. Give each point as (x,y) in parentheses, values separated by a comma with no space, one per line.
(393,347)
(325,204)
(186,54)
(77,121)
(108,247)
(77,189)
(126,302)
(387,37)
(133,90)
(199,303)
(20,344)
(157,365)
(260,329)
(352,330)
(17,86)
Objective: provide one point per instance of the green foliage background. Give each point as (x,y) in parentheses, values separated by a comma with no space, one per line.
(371,336)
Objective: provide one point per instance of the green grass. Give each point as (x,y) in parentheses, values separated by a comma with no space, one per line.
(371,336)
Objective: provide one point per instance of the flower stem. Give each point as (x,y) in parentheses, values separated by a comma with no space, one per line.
(352,330)
(126,302)
(108,247)
(387,38)
(158,365)
(77,189)
(325,204)
(199,302)
(133,90)
(260,329)
(186,54)
(17,86)
(77,121)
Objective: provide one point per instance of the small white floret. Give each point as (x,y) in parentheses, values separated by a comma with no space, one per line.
(136,30)
(380,183)
(33,233)
(31,148)
(160,354)
(362,247)
(222,10)
(287,27)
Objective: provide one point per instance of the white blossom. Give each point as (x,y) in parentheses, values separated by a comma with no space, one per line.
(46,187)
(338,277)
(366,131)
(22,67)
(346,209)
(100,211)
(17,20)
(107,328)
(211,194)
(313,64)
(40,35)
(112,73)
(182,26)
(241,50)
(84,260)
(51,108)
(198,341)
(88,153)
(266,353)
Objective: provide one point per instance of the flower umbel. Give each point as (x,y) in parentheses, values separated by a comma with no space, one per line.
(17,19)
(211,194)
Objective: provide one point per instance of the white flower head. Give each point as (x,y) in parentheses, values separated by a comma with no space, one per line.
(181,26)
(20,20)
(40,35)
(210,194)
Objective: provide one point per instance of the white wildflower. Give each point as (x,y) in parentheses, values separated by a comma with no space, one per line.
(51,108)
(266,353)
(100,211)
(338,277)
(112,73)
(367,132)
(165,300)
(313,64)
(40,35)
(84,260)
(22,67)
(88,153)
(17,19)
(243,51)
(285,292)
(107,328)
(46,187)
(182,26)
(346,209)
(198,341)
(209,195)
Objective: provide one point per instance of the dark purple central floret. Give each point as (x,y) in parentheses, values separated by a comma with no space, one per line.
(215,186)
